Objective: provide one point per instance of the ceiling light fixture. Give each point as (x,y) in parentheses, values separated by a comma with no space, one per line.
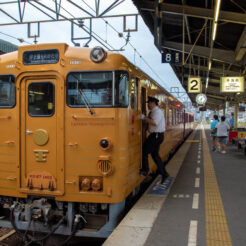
(207,83)
(214,30)
(216,17)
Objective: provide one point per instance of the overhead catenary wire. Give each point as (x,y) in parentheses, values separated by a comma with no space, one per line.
(101,41)
(97,38)
(21,40)
(128,42)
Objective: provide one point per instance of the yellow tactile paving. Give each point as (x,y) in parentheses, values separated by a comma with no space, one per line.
(217,232)
(192,141)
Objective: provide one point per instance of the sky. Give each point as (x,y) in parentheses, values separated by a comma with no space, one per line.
(139,50)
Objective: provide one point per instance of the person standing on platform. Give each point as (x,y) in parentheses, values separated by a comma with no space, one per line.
(231,121)
(156,128)
(222,133)
(213,125)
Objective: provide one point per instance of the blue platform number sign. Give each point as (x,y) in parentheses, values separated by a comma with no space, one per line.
(171,57)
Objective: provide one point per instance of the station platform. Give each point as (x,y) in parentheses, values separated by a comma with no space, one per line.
(202,203)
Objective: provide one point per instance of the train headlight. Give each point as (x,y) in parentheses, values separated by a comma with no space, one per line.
(105,143)
(86,184)
(98,54)
(96,184)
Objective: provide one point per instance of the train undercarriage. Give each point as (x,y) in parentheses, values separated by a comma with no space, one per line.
(49,216)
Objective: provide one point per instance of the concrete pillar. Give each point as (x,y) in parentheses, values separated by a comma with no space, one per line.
(235,115)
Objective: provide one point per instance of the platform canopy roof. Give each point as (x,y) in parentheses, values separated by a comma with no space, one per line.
(6,47)
(186,26)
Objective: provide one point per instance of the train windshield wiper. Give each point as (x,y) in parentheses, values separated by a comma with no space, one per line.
(86,102)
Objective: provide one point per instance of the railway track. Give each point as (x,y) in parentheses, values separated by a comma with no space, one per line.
(8,237)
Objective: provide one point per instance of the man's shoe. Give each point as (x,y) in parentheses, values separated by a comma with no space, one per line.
(143,172)
(164,178)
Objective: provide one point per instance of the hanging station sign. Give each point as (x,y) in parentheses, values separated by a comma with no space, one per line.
(232,84)
(194,85)
(171,57)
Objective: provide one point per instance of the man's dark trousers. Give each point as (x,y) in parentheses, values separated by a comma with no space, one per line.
(152,146)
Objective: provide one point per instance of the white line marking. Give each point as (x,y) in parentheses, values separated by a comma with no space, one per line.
(187,196)
(199,157)
(192,233)
(198,161)
(199,151)
(195,203)
(198,170)
(181,196)
(197,182)
(175,196)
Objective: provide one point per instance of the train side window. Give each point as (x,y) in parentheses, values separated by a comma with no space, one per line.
(137,92)
(170,117)
(121,88)
(143,100)
(7,91)
(134,93)
(41,99)
(177,116)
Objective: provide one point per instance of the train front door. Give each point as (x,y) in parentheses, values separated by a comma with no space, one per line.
(42,165)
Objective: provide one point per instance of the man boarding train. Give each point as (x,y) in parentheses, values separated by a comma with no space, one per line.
(156,128)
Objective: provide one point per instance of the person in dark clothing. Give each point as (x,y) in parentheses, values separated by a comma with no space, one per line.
(156,128)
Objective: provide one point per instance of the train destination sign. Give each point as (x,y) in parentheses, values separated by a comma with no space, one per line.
(232,84)
(194,85)
(37,57)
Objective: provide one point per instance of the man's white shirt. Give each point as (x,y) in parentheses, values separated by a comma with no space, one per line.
(158,117)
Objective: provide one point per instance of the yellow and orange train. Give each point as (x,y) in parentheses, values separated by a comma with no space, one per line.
(71,137)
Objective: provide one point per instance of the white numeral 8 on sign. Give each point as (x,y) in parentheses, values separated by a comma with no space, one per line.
(168,57)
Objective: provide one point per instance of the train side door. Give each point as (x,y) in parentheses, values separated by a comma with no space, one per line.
(143,111)
(42,165)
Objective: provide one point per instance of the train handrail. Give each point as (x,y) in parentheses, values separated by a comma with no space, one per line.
(5,117)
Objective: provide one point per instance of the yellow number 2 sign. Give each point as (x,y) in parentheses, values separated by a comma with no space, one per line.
(194,85)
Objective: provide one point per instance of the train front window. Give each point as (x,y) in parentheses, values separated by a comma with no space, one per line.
(7,91)
(41,99)
(90,88)
(97,89)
